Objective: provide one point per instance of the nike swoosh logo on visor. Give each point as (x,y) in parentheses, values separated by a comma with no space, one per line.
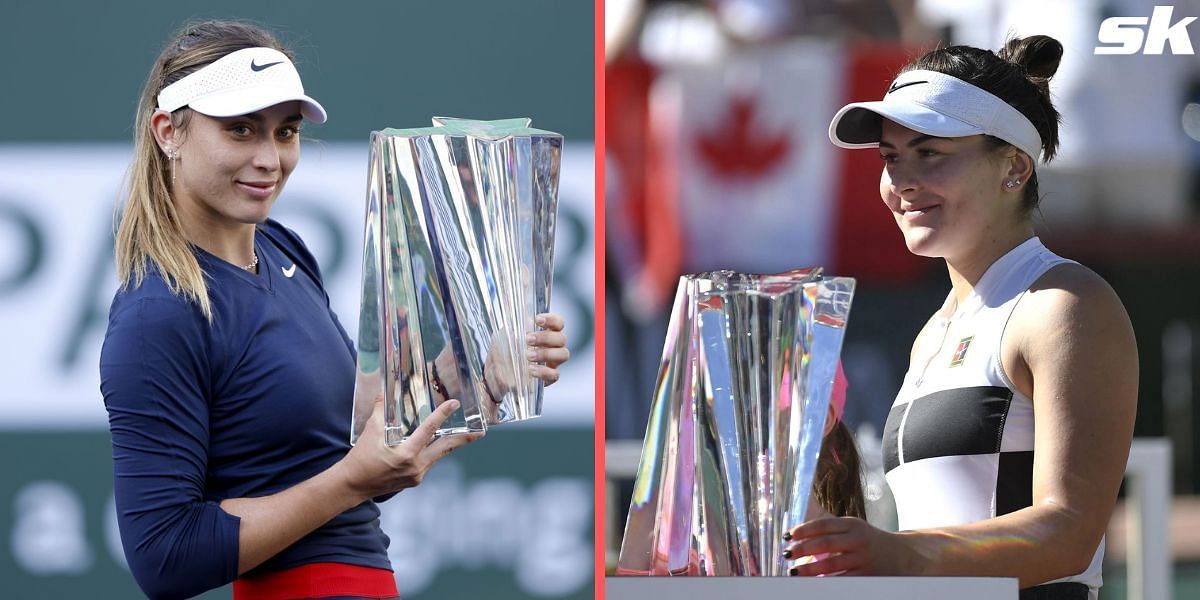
(254,67)
(903,85)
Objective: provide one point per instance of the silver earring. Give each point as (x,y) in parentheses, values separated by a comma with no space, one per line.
(172,154)
(1012,184)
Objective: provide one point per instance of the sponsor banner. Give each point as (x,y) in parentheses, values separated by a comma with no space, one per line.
(57,275)
(502,518)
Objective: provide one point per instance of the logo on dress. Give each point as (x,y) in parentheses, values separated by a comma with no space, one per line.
(960,353)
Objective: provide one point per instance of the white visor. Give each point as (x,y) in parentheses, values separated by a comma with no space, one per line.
(935,104)
(240,83)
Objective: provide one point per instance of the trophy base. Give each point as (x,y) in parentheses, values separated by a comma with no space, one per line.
(521,419)
(394,436)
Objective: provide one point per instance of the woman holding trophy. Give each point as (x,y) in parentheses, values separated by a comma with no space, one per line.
(227,378)
(1007,442)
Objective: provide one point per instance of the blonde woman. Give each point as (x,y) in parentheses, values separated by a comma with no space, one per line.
(227,378)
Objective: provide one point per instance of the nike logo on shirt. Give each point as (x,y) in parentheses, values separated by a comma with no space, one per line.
(289,271)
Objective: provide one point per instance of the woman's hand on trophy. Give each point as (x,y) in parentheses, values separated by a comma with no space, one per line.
(547,348)
(843,546)
(443,375)
(372,468)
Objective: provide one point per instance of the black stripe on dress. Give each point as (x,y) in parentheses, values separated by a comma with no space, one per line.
(1014,482)
(1066,590)
(891,437)
(954,422)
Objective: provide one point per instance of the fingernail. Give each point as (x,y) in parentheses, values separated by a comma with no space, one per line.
(787,553)
(793,571)
(453,404)
(787,536)
(531,339)
(540,320)
(531,354)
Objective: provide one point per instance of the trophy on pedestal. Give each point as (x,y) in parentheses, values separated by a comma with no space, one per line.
(736,423)
(457,261)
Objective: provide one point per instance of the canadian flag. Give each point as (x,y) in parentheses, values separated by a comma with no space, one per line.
(740,173)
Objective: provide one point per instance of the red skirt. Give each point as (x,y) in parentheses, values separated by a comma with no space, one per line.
(317,580)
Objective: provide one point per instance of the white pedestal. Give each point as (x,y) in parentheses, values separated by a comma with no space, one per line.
(792,588)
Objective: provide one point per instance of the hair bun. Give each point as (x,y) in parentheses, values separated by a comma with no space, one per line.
(1038,54)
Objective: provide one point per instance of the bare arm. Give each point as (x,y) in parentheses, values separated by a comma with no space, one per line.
(1073,347)
(271,523)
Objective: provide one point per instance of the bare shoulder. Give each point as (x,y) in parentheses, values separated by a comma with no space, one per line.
(1072,290)
(1071,308)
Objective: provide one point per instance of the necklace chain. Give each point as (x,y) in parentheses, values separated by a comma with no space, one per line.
(253,263)
(945,324)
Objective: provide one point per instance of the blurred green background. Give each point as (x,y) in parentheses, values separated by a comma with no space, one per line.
(73,69)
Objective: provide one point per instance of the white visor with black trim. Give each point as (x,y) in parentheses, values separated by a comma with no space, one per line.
(935,104)
(239,83)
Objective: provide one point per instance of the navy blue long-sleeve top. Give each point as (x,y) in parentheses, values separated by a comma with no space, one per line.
(249,405)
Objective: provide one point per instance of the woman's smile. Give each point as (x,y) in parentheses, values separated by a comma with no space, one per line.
(260,190)
(918,214)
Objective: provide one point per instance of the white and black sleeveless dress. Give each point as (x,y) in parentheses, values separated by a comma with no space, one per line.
(958,443)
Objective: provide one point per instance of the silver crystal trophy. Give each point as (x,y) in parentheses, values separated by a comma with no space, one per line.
(736,422)
(457,261)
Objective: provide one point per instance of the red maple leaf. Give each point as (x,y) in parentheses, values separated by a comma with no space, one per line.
(736,150)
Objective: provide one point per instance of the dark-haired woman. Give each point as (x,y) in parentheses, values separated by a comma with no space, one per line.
(1007,442)
(228,380)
